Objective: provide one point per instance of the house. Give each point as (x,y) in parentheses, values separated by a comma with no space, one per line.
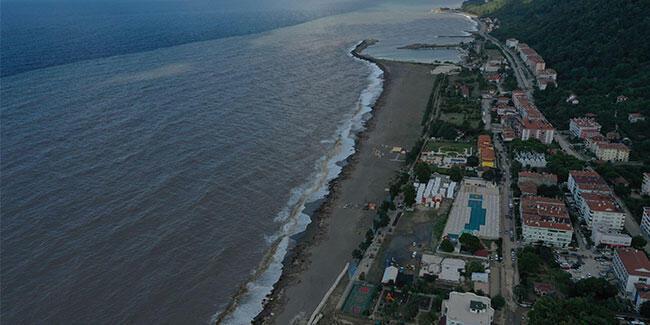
(601,210)
(630,266)
(390,275)
(645,187)
(545,220)
(635,117)
(507,134)
(542,288)
(621,99)
(583,128)
(645,221)
(486,154)
(480,282)
(611,151)
(538,178)
(531,159)
(611,238)
(512,43)
(467,309)
(495,77)
(549,74)
(464,91)
(573,99)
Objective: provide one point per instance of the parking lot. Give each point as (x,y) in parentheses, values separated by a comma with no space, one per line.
(583,264)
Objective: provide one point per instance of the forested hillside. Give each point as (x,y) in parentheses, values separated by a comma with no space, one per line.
(600,49)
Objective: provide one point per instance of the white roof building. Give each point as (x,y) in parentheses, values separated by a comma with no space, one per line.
(445,268)
(467,309)
(390,274)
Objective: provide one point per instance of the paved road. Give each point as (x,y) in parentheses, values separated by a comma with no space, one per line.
(566,146)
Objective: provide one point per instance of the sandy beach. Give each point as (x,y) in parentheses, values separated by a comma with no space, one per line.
(339,225)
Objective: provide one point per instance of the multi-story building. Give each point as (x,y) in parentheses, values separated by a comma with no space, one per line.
(539,129)
(631,266)
(645,221)
(586,181)
(601,210)
(612,151)
(546,220)
(645,187)
(584,128)
(467,309)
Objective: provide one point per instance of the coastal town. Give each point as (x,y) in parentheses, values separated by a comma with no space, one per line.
(496,210)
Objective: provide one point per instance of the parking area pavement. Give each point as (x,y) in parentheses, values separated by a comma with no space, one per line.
(584,264)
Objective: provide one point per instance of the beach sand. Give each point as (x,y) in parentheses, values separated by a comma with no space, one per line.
(340,224)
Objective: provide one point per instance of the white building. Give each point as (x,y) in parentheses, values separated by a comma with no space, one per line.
(545,220)
(645,188)
(631,266)
(586,181)
(645,221)
(606,151)
(604,236)
(512,42)
(601,210)
(467,309)
(531,159)
(583,127)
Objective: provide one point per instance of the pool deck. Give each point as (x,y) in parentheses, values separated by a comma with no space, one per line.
(475,210)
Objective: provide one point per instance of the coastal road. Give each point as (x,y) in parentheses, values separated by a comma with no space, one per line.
(521,72)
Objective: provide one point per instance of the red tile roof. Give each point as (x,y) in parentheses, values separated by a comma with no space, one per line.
(634,261)
(542,212)
(600,202)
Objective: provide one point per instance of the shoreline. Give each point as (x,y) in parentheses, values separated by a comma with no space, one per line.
(294,260)
(300,257)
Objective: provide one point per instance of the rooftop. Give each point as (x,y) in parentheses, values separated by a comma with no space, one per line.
(612,146)
(600,202)
(584,122)
(586,177)
(468,308)
(634,261)
(542,212)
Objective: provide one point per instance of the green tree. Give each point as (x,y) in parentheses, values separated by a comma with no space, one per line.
(639,242)
(470,242)
(644,310)
(472,161)
(597,288)
(551,191)
(529,262)
(474,266)
(447,246)
(456,174)
(498,302)
(422,172)
(409,194)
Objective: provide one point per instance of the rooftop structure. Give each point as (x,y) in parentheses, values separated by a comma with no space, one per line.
(586,181)
(467,309)
(475,210)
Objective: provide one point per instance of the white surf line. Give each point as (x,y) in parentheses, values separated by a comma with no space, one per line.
(327,294)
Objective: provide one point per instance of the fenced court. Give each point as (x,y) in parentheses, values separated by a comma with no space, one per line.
(360,298)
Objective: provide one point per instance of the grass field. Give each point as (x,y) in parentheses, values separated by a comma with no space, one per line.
(448,146)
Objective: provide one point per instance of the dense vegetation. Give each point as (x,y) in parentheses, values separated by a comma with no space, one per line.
(600,49)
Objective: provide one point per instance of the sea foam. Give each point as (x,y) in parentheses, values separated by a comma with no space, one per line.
(249,301)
